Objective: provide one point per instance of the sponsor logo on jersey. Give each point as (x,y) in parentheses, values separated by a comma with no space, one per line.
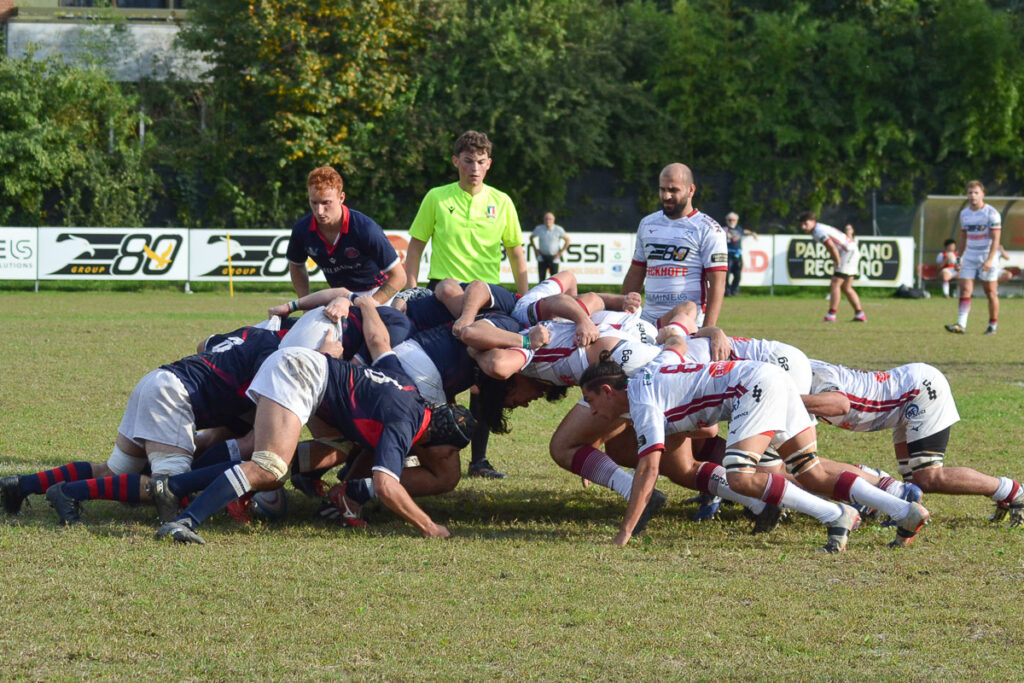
(721,368)
(913,410)
(641,440)
(667,252)
(881,377)
(720,258)
(666,271)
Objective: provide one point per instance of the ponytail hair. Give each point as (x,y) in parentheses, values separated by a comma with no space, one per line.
(604,371)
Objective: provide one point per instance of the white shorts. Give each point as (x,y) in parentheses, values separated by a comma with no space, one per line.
(295,378)
(160,410)
(970,268)
(795,363)
(776,408)
(848,262)
(310,330)
(930,412)
(525,311)
(422,370)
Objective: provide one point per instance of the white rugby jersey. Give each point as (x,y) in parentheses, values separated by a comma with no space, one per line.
(677,253)
(823,233)
(979,226)
(670,395)
(562,363)
(698,349)
(877,399)
(632,324)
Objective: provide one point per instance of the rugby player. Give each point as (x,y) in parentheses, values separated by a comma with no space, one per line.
(845,257)
(980,228)
(916,403)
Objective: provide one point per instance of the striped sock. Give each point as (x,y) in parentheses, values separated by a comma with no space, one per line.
(40,481)
(225,451)
(228,486)
(122,487)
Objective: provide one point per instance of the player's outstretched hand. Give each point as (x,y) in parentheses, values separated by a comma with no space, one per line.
(622,538)
(539,336)
(438,531)
(632,302)
(281,311)
(331,346)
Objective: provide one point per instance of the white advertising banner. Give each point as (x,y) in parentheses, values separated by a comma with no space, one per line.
(884,261)
(19,253)
(113,253)
(757,261)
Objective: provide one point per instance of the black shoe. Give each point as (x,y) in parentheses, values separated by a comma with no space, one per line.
(654,506)
(768,519)
(10,491)
(179,532)
(484,470)
(167,504)
(67,508)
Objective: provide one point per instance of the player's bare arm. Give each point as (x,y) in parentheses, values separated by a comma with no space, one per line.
(393,285)
(413,256)
(644,479)
(634,280)
(308,302)
(827,403)
(393,494)
(300,278)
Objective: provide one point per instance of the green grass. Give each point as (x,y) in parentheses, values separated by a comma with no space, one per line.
(529,586)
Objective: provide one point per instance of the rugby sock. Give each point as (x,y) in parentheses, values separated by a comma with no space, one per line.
(225,451)
(228,486)
(1007,491)
(891,486)
(122,487)
(965,310)
(945,287)
(185,483)
(360,490)
(781,492)
(711,479)
(40,481)
(592,464)
(851,488)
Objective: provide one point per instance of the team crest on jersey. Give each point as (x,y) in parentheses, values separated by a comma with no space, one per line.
(351,253)
(492,211)
(882,377)
(721,368)
(641,441)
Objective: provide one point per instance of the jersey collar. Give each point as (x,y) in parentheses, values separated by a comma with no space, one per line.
(313,227)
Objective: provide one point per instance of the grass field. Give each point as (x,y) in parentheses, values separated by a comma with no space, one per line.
(529,586)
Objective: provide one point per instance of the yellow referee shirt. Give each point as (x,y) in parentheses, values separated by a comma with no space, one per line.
(468,232)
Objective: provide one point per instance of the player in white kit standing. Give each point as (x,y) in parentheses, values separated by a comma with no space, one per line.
(846,258)
(680,254)
(980,227)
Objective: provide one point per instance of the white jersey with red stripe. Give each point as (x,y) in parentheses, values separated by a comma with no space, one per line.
(671,396)
(676,254)
(825,233)
(562,363)
(786,356)
(978,226)
(913,400)
(947,260)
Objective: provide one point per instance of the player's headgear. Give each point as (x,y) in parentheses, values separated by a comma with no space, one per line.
(451,425)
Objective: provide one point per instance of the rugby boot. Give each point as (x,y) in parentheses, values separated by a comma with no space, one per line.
(654,506)
(839,530)
(10,491)
(179,532)
(67,508)
(167,504)
(907,530)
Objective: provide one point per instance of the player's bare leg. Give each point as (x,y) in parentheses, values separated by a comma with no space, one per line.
(992,292)
(851,295)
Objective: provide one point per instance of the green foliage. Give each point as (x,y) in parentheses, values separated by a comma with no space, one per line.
(69,152)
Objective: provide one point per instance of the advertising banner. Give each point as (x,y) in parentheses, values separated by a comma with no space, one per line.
(757,261)
(19,253)
(113,254)
(884,261)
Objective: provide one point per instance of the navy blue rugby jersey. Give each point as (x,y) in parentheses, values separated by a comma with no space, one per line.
(400,327)
(376,406)
(358,261)
(451,356)
(216,379)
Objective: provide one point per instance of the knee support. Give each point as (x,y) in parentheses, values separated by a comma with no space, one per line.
(924,460)
(120,462)
(738,460)
(271,462)
(169,463)
(803,460)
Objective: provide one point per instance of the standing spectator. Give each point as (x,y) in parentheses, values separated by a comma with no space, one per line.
(845,255)
(550,242)
(349,246)
(469,223)
(734,235)
(680,254)
(948,262)
(980,227)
